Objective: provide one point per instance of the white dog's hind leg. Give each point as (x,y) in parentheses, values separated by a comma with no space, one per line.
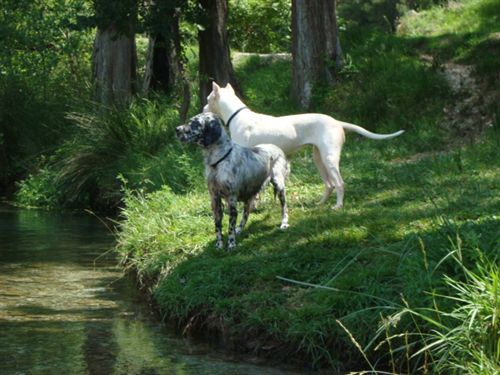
(331,162)
(329,185)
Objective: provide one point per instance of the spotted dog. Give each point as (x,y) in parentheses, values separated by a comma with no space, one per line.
(235,173)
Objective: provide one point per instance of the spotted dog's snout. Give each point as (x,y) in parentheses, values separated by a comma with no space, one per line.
(203,129)
(182,133)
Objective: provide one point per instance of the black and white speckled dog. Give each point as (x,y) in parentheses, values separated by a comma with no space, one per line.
(235,173)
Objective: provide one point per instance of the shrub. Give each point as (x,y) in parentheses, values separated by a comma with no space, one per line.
(43,57)
(38,190)
(260,26)
(136,146)
(459,331)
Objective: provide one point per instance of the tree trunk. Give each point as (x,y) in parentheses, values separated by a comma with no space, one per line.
(114,55)
(316,48)
(164,67)
(158,75)
(215,60)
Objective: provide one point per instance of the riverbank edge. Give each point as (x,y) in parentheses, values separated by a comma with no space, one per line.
(164,271)
(211,329)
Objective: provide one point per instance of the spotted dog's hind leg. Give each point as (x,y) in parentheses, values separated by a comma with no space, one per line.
(218,213)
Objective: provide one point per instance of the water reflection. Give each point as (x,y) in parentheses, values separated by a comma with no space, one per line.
(66,309)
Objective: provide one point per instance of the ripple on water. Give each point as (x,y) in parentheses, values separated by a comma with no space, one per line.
(66,309)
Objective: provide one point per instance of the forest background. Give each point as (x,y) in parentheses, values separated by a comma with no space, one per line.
(404,279)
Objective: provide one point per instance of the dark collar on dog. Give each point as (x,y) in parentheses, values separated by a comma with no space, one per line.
(222,158)
(234,115)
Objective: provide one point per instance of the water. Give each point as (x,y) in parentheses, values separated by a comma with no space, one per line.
(66,309)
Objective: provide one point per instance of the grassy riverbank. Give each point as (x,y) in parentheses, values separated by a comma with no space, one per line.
(283,292)
(406,276)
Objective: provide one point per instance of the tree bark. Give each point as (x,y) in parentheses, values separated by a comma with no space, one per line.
(114,56)
(316,51)
(164,67)
(215,60)
(158,75)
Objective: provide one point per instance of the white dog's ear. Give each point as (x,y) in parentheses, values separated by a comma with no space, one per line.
(228,86)
(215,88)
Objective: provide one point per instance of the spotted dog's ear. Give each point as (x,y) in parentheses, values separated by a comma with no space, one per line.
(212,131)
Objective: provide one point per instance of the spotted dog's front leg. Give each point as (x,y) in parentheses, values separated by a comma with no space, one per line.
(217,212)
(233,216)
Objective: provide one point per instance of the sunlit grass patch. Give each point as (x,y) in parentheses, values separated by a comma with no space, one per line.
(362,259)
(321,289)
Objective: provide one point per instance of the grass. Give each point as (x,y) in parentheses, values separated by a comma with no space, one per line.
(404,279)
(466,32)
(394,282)
(464,331)
(359,261)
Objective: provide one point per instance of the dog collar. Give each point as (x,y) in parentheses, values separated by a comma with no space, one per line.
(222,158)
(234,115)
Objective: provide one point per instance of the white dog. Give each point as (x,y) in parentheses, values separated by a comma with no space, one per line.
(323,132)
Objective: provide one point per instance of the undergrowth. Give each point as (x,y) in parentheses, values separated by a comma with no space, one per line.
(112,149)
(388,250)
(404,279)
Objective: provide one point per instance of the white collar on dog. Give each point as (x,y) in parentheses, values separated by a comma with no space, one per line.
(234,115)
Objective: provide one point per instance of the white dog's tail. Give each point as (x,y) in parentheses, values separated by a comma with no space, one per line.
(368,134)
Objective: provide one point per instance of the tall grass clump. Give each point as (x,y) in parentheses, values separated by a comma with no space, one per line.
(456,330)
(114,148)
(153,220)
(136,146)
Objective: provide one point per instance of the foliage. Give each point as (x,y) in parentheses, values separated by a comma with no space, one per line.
(112,146)
(157,16)
(44,60)
(39,190)
(460,332)
(260,26)
(381,14)
(119,13)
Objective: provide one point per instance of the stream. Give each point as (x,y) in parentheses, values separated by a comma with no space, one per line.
(65,307)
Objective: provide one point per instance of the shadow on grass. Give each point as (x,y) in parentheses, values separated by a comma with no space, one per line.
(239,297)
(400,221)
